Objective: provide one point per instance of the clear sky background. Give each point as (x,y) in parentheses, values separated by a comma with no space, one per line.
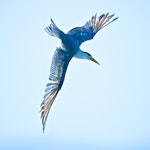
(104,107)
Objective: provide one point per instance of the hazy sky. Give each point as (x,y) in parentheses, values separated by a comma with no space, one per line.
(104,107)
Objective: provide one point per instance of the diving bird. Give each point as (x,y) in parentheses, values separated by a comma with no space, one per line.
(70,47)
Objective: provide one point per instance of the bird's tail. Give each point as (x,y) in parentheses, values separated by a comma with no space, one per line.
(53,30)
(101,22)
(49,97)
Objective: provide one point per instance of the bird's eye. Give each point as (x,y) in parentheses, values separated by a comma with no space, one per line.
(87,54)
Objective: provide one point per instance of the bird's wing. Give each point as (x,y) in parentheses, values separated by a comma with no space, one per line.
(91,27)
(60,61)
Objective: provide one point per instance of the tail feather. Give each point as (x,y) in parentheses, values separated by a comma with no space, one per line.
(52,29)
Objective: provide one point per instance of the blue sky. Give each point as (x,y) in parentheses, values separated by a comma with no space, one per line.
(99,107)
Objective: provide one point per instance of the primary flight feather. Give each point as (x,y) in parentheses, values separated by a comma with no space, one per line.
(70,47)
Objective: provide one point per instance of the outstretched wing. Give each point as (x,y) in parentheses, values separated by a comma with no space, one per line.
(60,61)
(91,27)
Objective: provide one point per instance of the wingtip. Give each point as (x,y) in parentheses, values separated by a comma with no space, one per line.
(43,129)
(43,124)
(107,14)
(115,18)
(46,29)
(51,20)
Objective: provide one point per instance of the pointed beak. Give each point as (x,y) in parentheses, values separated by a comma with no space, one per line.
(92,59)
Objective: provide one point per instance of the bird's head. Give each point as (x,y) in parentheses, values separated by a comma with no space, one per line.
(88,56)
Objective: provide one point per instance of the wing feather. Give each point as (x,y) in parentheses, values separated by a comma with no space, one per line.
(60,61)
(88,31)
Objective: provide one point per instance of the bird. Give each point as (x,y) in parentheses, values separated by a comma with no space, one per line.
(69,48)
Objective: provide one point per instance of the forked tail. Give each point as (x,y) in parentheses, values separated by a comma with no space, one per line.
(53,30)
